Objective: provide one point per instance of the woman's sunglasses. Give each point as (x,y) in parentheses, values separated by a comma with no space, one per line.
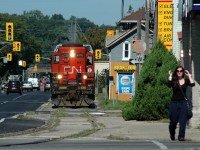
(179,70)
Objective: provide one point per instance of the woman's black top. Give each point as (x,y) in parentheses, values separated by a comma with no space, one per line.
(177,94)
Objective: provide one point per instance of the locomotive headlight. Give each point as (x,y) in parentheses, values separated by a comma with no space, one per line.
(59,76)
(84,77)
(72,54)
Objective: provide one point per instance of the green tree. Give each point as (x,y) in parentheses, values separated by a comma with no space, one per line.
(96,37)
(40,33)
(152,93)
(130,9)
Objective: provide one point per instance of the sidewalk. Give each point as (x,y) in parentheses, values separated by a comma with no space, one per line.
(111,127)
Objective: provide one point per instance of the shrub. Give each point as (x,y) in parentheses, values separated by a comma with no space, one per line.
(152,94)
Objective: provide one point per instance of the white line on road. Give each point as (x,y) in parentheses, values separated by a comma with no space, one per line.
(161,145)
(19,96)
(2,120)
(4,102)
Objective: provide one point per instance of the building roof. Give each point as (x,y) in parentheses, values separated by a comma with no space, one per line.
(124,35)
(134,16)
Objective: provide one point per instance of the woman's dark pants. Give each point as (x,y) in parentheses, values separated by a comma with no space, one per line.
(178,113)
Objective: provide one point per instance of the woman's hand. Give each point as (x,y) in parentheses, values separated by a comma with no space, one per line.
(170,73)
(187,73)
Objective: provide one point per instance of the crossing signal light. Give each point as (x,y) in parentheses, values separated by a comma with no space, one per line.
(16,46)
(9,57)
(98,54)
(37,57)
(9,32)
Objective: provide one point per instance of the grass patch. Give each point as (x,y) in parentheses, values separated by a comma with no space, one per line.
(198,127)
(112,137)
(83,133)
(61,112)
(26,115)
(109,104)
(165,120)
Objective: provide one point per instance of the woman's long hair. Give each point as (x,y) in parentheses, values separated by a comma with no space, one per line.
(175,77)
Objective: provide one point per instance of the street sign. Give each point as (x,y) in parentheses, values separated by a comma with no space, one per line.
(5,60)
(138,46)
(139,58)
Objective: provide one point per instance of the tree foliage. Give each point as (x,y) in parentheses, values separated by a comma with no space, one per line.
(152,94)
(40,33)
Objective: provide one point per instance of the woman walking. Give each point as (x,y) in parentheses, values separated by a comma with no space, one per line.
(179,80)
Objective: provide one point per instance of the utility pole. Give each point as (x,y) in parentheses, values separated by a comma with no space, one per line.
(147,26)
(122,13)
(155,30)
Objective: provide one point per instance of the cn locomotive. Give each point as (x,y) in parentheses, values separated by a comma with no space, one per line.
(72,75)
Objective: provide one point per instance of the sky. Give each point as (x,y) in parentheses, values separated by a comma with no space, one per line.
(106,12)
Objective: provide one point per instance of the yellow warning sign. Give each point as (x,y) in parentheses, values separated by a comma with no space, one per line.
(165,16)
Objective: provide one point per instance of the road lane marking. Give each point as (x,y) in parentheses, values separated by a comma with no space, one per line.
(19,96)
(4,102)
(161,145)
(2,120)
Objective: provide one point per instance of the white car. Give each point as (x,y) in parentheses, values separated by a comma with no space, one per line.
(35,83)
(27,86)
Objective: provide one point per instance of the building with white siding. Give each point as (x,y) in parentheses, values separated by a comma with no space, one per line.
(177,28)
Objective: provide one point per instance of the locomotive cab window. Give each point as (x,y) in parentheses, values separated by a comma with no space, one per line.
(56,59)
(66,55)
(79,55)
(89,60)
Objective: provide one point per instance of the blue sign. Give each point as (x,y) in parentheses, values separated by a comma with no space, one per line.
(125,84)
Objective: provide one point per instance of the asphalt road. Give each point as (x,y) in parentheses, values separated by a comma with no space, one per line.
(86,144)
(14,104)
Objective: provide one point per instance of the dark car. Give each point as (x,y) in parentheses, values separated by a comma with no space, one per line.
(14,87)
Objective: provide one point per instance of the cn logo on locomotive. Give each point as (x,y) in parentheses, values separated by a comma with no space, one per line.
(72,70)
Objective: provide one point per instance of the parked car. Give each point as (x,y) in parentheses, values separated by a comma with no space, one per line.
(14,87)
(47,86)
(26,85)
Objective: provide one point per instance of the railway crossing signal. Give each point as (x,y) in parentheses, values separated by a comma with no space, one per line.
(37,57)
(9,57)
(9,32)
(98,54)
(16,46)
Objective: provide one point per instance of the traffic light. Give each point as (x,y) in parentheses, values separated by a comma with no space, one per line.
(37,57)
(9,32)
(98,54)
(9,57)
(23,63)
(16,46)
(35,68)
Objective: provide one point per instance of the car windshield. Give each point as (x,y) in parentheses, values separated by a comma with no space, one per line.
(26,82)
(13,82)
